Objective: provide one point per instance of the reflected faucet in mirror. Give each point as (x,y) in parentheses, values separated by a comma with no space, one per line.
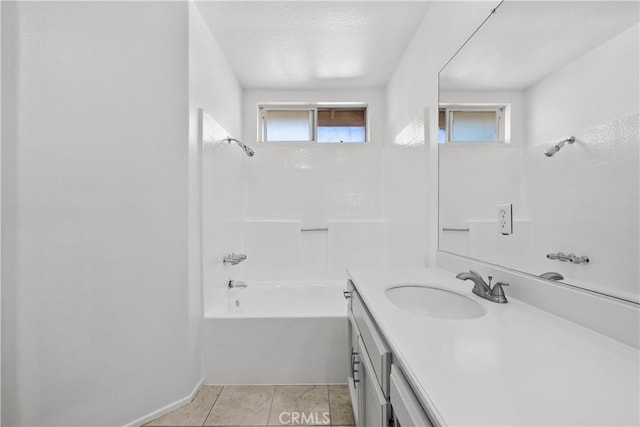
(484,290)
(552,275)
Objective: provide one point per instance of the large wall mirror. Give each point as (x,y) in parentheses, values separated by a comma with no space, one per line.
(539,144)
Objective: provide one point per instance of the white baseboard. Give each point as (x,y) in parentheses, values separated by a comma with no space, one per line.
(166,409)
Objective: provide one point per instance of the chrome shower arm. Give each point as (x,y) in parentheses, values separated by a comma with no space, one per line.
(549,152)
(248,150)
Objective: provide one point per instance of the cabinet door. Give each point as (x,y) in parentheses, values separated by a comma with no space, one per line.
(407,410)
(373,408)
(379,352)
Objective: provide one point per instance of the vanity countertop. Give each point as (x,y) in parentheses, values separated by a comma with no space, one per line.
(516,365)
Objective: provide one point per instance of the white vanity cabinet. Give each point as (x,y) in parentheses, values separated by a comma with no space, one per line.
(370,365)
(380,394)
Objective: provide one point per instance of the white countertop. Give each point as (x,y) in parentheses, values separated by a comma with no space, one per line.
(516,365)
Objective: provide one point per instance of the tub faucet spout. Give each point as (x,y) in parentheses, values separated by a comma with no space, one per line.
(236,284)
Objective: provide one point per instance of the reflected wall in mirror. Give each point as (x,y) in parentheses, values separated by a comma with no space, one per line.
(557,69)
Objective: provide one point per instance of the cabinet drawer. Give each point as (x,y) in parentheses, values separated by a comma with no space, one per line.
(377,348)
(374,408)
(407,410)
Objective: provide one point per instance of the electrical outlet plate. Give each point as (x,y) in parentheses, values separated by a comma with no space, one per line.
(505,220)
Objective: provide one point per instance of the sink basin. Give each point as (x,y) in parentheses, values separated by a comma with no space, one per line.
(434,302)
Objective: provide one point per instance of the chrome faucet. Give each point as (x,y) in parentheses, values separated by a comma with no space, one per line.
(236,284)
(484,290)
(552,275)
(234,258)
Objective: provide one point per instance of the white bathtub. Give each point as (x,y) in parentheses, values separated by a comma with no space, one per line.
(280,299)
(276,333)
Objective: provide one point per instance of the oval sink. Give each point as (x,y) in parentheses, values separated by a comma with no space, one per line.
(434,302)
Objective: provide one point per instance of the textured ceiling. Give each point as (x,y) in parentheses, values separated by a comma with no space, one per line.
(313,44)
(527,40)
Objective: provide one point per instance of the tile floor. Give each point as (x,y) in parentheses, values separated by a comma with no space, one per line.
(263,405)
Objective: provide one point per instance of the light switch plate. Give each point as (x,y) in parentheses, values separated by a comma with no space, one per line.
(505,221)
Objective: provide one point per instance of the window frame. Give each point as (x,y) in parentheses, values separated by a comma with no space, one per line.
(313,108)
(502,118)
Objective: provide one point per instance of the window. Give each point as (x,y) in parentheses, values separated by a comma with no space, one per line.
(288,125)
(478,123)
(346,123)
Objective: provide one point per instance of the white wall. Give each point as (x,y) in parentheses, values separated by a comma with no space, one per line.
(212,83)
(294,186)
(414,88)
(213,88)
(597,87)
(0,215)
(95,315)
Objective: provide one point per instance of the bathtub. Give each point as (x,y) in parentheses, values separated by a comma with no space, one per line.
(276,333)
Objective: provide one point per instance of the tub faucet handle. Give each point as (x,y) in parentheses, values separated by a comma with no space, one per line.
(234,258)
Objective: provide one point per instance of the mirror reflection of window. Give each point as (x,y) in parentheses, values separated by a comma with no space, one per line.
(442,126)
(471,124)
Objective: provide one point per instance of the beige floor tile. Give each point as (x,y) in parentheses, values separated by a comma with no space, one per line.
(193,413)
(340,404)
(242,405)
(300,405)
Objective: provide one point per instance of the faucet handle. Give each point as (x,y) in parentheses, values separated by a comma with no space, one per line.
(497,290)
